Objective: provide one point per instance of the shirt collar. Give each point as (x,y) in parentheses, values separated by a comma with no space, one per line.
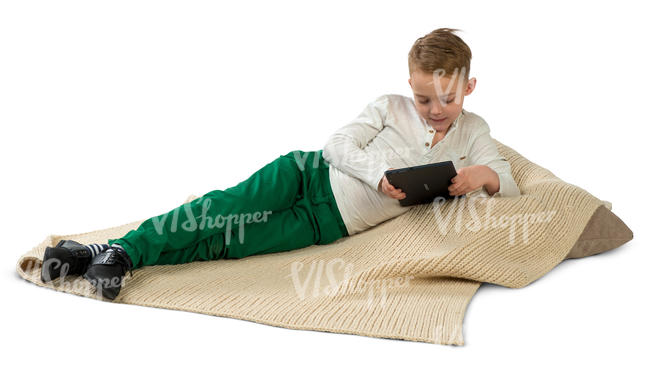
(453,124)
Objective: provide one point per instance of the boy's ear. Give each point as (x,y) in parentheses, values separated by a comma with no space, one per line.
(411,85)
(471,85)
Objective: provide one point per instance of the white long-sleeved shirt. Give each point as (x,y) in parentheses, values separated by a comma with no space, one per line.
(389,133)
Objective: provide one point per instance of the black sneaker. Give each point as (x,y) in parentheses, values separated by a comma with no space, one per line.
(106,271)
(68,257)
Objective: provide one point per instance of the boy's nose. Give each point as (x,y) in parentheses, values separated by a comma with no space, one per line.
(436,110)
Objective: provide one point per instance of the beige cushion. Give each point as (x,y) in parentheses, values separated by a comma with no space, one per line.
(604,231)
(429,274)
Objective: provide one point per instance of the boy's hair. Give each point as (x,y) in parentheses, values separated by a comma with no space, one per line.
(440,49)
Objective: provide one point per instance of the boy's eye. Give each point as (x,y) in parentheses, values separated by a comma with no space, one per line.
(449,101)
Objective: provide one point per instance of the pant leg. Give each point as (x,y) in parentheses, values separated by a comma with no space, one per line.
(285,230)
(274,187)
(314,218)
(210,248)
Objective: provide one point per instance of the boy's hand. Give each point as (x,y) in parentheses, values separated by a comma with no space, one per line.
(468,179)
(390,190)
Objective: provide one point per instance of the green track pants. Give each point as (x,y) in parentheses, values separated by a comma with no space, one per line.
(287,204)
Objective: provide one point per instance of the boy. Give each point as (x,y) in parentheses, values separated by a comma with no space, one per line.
(394,131)
(316,197)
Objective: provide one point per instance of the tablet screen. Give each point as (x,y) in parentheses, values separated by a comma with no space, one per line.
(423,183)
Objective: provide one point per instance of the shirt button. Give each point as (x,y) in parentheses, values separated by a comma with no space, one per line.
(427,144)
(431,131)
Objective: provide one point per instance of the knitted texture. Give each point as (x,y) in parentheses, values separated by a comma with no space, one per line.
(410,277)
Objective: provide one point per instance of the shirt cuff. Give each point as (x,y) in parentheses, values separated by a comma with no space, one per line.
(378,175)
(507,186)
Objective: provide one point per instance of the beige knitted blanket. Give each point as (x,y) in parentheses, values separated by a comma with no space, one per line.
(410,277)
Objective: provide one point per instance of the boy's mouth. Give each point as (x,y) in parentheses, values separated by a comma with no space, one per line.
(438,120)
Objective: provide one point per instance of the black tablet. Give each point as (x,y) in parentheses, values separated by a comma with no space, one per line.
(423,183)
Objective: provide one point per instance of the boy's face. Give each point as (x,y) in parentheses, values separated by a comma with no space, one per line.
(439,99)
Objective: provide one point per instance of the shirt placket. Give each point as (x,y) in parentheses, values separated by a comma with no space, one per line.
(430,134)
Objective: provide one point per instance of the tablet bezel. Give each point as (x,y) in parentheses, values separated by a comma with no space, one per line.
(418,178)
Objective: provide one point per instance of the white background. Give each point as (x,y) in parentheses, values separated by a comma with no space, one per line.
(116,111)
